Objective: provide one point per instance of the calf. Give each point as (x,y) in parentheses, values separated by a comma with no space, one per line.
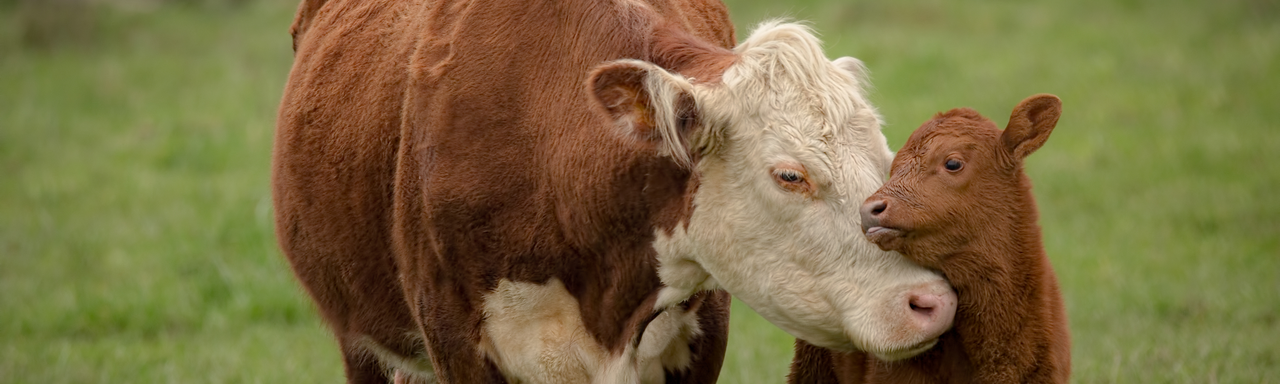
(958,200)
(564,191)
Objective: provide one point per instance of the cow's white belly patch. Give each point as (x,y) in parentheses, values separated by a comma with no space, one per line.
(534,333)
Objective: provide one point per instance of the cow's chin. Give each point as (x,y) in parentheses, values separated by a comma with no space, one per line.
(899,354)
(883,352)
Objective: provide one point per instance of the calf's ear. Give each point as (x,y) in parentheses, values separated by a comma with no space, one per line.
(647,103)
(1030,124)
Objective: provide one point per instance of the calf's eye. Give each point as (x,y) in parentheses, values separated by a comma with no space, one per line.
(789,176)
(953,165)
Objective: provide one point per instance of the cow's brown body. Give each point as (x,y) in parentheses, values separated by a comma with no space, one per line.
(977,224)
(428,149)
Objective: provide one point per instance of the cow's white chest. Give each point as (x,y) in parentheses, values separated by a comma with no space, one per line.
(534,333)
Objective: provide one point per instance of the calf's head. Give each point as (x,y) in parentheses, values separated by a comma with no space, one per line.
(958,181)
(785,147)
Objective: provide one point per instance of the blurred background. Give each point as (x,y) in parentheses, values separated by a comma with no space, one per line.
(136,239)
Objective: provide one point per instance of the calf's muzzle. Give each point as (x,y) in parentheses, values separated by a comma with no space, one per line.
(871,211)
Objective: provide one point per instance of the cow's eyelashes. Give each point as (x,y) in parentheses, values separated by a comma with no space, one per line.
(792,178)
(788,176)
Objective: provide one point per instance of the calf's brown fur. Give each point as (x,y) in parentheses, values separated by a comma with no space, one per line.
(957,200)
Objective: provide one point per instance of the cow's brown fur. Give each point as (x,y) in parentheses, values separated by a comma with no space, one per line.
(978,226)
(427,149)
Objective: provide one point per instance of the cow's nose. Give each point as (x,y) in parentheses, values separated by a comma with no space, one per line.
(932,310)
(871,211)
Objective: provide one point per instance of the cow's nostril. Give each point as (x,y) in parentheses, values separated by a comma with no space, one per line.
(923,305)
(932,310)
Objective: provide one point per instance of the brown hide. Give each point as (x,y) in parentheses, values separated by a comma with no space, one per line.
(426,150)
(957,200)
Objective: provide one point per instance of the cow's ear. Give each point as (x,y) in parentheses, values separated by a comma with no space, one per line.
(854,67)
(1030,124)
(647,103)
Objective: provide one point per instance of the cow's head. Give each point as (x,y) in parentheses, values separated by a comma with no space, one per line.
(786,147)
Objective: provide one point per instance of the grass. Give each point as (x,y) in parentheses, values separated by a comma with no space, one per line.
(135,228)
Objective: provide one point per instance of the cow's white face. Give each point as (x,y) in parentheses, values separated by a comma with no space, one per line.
(788,150)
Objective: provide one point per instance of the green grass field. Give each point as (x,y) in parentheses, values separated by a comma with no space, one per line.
(135,222)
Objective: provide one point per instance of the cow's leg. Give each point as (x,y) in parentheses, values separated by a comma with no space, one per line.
(707,349)
(368,316)
(813,364)
(453,339)
(361,367)
(354,316)
(405,378)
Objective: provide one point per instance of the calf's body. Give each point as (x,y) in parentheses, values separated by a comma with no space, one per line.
(958,200)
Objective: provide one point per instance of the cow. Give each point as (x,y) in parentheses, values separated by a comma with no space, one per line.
(959,201)
(568,191)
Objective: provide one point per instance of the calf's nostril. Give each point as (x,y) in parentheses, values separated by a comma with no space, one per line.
(874,208)
(878,207)
(870,213)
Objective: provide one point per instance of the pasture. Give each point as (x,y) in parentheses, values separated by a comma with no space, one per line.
(136,238)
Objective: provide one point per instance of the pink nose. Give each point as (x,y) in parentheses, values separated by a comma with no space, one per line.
(933,311)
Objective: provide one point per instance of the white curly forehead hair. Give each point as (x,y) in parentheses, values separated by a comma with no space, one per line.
(784,97)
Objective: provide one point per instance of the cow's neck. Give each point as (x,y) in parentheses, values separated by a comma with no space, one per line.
(612,194)
(625,184)
(612,209)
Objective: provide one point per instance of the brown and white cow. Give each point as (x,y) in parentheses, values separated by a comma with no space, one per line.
(959,201)
(562,191)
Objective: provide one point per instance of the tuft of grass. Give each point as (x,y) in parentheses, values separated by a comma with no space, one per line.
(136,239)
(135,224)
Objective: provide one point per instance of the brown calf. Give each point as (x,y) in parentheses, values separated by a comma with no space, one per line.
(958,200)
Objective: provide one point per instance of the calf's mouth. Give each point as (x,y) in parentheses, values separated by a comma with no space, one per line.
(887,238)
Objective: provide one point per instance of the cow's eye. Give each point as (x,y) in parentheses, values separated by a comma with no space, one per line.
(789,176)
(792,177)
(953,165)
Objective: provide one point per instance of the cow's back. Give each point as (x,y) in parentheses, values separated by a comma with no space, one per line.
(403,119)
